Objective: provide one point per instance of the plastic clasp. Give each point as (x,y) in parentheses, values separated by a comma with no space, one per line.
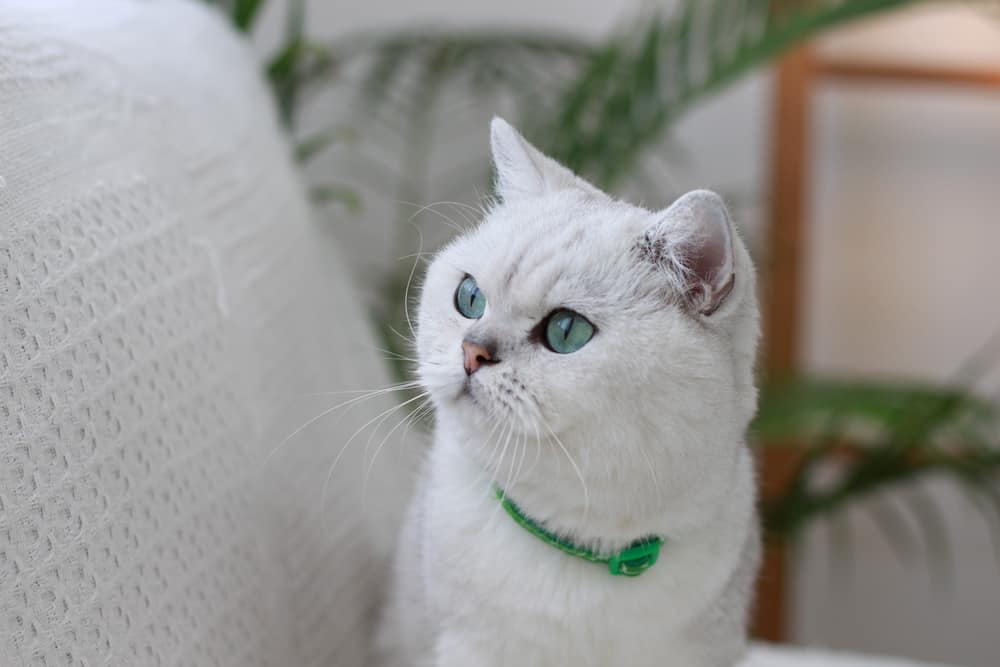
(636,559)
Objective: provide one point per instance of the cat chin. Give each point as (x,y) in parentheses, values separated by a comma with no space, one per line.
(470,415)
(462,401)
(468,401)
(469,395)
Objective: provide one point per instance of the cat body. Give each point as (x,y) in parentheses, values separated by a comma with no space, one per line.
(600,376)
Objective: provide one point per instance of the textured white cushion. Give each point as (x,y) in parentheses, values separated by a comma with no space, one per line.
(166,304)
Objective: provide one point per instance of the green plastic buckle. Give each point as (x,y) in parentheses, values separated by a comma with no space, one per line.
(636,559)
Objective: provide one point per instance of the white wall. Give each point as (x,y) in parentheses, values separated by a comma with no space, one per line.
(904,256)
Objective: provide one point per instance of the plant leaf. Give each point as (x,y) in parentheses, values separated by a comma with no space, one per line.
(309,147)
(245,13)
(597,135)
(792,409)
(336,193)
(283,69)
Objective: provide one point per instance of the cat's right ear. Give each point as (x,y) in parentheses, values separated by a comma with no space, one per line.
(693,241)
(523,171)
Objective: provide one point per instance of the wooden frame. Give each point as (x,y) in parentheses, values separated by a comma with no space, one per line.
(798,74)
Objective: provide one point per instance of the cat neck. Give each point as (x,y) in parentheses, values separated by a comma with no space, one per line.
(603,513)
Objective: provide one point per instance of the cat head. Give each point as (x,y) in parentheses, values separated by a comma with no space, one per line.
(590,329)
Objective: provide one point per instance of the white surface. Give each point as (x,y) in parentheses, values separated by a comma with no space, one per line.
(165,306)
(773,656)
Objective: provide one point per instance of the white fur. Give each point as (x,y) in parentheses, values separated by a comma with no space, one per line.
(639,432)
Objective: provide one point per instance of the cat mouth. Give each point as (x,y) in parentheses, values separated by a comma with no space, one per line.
(467,392)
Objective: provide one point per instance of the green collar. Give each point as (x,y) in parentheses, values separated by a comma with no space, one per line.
(629,562)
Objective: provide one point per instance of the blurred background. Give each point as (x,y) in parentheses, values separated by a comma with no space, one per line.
(858,144)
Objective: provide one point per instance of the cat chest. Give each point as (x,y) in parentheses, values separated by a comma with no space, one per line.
(479,564)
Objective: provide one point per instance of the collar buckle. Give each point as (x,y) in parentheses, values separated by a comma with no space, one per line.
(636,559)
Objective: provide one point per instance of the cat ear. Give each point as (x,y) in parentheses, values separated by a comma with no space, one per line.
(693,239)
(524,171)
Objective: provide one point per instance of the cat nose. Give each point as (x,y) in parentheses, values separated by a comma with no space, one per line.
(477,355)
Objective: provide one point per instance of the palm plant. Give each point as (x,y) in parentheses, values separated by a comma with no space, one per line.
(874,436)
(602,109)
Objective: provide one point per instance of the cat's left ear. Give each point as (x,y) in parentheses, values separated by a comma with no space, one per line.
(523,171)
(693,240)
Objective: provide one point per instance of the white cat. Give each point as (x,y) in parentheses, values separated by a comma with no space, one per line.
(590,362)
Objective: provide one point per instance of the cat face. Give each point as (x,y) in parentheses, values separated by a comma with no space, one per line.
(567,316)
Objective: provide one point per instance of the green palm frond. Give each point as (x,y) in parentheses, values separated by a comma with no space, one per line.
(297,59)
(878,436)
(637,85)
(911,412)
(479,60)
(245,13)
(401,82)
(601,106)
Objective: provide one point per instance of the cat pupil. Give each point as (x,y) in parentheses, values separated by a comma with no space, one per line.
(565,326)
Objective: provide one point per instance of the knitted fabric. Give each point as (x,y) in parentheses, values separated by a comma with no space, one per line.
(166,304)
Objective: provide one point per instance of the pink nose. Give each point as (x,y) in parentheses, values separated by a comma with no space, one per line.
(476,356)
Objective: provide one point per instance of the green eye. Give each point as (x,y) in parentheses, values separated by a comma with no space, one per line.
(567,331)
(469,300)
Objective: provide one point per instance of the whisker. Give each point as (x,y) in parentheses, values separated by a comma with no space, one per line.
(536,410)
(538,445)
(652,473)
(517,462)
(373,432)
(409,280)
(419,254)
(364,397)
(409,340)
(469,213)
(497,466)
(444,219)
(336,459)
(524,454)
(409,384)
(523,420)
(483,471)
(576,469)
(390,353)
(406,420)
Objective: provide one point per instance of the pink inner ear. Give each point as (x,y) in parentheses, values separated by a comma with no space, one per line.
(708,258)
(711,261)
(697,226)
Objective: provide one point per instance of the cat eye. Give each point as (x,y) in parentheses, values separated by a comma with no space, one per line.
(469,299)
(567,331)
